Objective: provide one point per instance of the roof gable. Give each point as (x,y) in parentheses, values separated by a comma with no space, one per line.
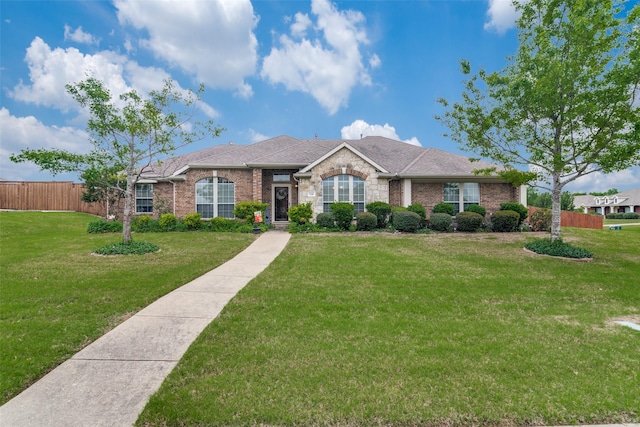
(344,145)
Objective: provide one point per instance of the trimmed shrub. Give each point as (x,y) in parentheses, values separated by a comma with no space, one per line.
(540,220)
(614,215)
(168,222)
(104,226)
(300,214)
(245,210)
(441,222)
(447,208)
(419,209)
(520,209)
(144,223)
(192,221)
(557,248)
(477,209)
(469,221)
(505,221)
(406,221)
(381,210)
(343,213)
(630,215)
(366,221)
(326,219)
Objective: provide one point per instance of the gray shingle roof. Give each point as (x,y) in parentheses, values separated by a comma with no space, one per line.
(284,151)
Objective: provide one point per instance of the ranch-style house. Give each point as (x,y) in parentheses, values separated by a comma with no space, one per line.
(285,171)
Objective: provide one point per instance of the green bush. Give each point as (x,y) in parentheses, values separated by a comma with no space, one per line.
(557,248)
(441,222)
(104,226)
(343,213)
(131,248)
(307,227)
(381,210)
(631,215)
(245,210)
(366,221)
(167,222)
(326,219)
(614,215)
(540,220)
(192,221)
(505,221)
(520,209)
(144,224)
(406,221)
(469,221)
(300,214)
(447,208)
(477,209)
(419,209)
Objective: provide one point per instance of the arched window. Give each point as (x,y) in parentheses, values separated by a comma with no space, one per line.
(343,188)
(215,197)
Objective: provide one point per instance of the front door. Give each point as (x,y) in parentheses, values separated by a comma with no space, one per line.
(281,203)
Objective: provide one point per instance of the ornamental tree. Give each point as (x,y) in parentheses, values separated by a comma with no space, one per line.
(128,134)
(566,105)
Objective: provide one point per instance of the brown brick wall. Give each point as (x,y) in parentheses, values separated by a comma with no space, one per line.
(395,192)
(492,195)
(186,190)
(428,194)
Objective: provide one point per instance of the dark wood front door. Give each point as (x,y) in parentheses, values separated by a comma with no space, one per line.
(281,203)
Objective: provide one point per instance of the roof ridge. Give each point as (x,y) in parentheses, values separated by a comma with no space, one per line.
(424,153)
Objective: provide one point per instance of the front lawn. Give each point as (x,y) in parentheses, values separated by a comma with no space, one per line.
(55,297)
(437,329)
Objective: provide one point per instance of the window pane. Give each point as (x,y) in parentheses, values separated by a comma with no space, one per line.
(452,195)
(343,188)
(205,210)
(204,191)
(327,190)
(144,198)
(225,193)
(471,194)
(225,210)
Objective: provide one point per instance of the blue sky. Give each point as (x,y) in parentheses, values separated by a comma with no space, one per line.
(335,69)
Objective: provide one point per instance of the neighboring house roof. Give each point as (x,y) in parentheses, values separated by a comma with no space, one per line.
(624,198)
(389,156)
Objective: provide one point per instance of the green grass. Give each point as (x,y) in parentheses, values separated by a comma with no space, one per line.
(56,297)
(437,329)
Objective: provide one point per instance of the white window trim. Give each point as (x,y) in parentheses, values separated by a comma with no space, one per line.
(136,198)
(216,201)
(336,191)
(461,201)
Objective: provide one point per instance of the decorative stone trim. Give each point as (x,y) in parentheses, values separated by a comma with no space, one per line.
(347,171)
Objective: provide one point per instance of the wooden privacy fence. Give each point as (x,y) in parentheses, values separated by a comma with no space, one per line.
(46,196)
(576,219)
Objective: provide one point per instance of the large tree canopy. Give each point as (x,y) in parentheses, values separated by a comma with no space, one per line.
(566,105)
(129,134)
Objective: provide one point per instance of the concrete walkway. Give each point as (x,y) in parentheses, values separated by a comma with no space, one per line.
(109,382)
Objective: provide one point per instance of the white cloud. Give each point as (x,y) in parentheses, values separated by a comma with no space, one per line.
(79,36)
(212,39)
(375,61)
(257,136)
(326,67)
(19,133)
(360,128)
(51,69)
(598,181)
(502,16)
(300,25)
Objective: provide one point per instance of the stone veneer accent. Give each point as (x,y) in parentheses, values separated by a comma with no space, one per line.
(310,189)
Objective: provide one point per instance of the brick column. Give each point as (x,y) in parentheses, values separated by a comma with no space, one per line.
(257,184)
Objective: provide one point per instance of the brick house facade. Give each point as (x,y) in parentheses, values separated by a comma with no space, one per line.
(284,171)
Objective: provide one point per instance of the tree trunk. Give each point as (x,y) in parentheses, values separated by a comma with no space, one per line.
(128,203)
(556,194)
